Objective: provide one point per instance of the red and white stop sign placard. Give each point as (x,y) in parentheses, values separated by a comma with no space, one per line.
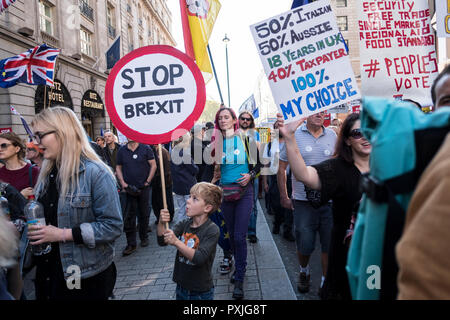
(155,94)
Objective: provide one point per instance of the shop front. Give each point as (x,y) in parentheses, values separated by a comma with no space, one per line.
(92,109)
(47,97)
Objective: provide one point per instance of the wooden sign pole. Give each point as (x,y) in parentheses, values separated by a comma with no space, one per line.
(163,182)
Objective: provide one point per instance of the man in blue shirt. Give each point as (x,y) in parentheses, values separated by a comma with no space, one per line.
(135,169)
(316,144)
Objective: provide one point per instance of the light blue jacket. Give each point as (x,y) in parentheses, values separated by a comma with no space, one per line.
(95,208)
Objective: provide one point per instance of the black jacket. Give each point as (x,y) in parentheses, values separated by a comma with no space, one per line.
(183,175)
(107,155)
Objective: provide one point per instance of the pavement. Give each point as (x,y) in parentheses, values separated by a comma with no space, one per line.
(147,273)
(288,253)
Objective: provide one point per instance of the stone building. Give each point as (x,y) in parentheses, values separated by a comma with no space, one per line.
(83,30)
(347,20)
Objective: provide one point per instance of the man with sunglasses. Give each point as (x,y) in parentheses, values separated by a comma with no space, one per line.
(247,127)
(316,144)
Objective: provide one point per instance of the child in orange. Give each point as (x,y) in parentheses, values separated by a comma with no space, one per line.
(196,239)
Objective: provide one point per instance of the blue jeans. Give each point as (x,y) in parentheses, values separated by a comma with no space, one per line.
(237,216)
(309,221)
(4,293)
(253,216)
(183,294)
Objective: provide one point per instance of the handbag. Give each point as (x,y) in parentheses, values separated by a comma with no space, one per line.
(233,192)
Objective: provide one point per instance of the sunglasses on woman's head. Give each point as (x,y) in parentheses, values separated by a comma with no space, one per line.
(356,134)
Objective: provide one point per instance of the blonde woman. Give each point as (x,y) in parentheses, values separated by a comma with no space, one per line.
(82,212)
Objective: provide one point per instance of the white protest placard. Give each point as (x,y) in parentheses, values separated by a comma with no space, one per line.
(343,108)
(397,49)
(155,94)
(121,137)
(305,60)
(443,18)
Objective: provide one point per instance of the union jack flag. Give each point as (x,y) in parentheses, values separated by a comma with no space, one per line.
(36,66)
(5,4)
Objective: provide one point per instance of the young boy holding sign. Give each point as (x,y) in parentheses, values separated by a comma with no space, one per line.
(196,240)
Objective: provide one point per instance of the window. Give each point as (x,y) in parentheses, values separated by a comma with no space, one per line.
(86,9)
(342,23)
(139,14)
(86,42)
(341,3)
(130,39)
(129,6)
(46,17)
(110,18)
(149,27)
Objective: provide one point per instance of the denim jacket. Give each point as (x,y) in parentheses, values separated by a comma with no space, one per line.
(95,208)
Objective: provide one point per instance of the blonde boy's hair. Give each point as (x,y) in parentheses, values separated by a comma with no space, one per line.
(210,193)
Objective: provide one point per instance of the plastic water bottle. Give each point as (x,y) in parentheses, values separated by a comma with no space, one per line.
(4,206)
(34,211)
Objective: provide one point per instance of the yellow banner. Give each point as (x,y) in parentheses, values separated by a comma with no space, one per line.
(202,14)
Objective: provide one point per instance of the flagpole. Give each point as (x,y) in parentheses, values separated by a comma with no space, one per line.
(51,89)
(45,96)
(215,74)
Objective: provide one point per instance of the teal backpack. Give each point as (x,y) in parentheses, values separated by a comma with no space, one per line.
(404,140)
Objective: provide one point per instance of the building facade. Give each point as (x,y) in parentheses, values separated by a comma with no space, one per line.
(83,30)
(347,20)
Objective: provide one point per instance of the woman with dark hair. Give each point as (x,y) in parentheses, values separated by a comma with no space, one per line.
(17,172)
(233,155)
(337,179)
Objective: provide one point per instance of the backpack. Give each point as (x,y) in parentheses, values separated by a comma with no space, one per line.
(404,140)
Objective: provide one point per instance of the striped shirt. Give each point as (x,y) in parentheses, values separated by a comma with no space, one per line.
(313,150)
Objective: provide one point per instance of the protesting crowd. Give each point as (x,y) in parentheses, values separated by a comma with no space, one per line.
(91,193)
(367,189)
